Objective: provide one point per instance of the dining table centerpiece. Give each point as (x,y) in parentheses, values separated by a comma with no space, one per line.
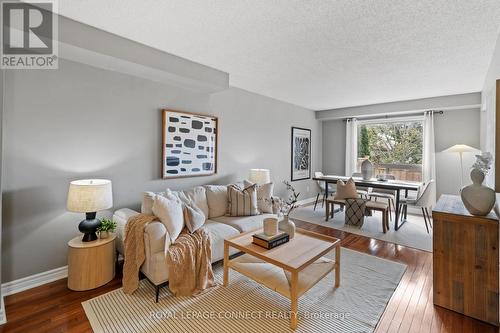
(367,169)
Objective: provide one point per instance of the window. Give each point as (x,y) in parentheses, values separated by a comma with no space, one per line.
(393,146)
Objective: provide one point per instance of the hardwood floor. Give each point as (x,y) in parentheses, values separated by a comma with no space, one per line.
(54,308)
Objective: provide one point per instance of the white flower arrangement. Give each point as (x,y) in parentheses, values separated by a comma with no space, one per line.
(286,206)
(483,162)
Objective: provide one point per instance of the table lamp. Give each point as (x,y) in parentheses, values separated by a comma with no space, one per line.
(461,149)
(260,176)
(89,196)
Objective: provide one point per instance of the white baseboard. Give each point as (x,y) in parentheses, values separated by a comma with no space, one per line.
(3,316)
(33,281)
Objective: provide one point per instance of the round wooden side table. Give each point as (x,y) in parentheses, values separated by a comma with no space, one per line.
(90,264)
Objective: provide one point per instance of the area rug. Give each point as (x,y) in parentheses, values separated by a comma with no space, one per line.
(367,284)
(412,233)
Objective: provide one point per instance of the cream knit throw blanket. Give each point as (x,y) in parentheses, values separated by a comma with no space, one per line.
(134,254)
(189,262)
(189,259)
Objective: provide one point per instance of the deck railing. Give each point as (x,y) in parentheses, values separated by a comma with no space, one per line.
(407,172)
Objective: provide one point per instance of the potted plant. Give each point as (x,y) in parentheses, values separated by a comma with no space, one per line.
(106,227)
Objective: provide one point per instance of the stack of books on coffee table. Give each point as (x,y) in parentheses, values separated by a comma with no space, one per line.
(269,242)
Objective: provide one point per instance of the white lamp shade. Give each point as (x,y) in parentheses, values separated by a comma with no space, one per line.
(89,195)
(461,149)
(260,176)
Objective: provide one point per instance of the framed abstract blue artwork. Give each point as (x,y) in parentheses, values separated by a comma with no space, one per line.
(189,144)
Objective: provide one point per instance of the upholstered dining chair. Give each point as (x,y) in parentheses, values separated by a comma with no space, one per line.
(381,193)
(423,201)
(362,190)
(332,189)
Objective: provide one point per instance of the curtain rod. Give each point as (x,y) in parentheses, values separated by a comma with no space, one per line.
(394,116)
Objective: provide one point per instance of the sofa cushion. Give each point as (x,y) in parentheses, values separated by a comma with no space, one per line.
(198,196)
(195,198)
(217,200)
(219,232)
(169,211)
(264,195)
(242,202)
(147,201)
(244,223)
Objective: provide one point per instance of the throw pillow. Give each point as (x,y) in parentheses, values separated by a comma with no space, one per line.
(264,194)
(186,198)
(242,202)
(198,197)
(193,218)
(189,198)
(170,213)
(355,212)
(217,200)
(346,190)
(174,195)
(147,202)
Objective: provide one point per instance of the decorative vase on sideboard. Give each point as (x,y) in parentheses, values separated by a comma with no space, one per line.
(477,198)
(287,226)
(367,169)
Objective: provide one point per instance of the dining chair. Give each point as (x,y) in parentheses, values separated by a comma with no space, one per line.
(362,190)
(423,201)
(413,194)
(332,189)
(381,193)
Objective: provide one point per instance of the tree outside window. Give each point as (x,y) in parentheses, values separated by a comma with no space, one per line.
(393,147)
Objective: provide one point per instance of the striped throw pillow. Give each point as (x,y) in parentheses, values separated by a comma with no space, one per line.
(242,202)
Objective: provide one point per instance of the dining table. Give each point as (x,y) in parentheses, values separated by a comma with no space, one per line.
(398,186)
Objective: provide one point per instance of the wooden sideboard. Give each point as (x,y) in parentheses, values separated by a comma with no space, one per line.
(465,260)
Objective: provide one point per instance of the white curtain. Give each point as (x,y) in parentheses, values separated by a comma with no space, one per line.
(429,154)
(351,148)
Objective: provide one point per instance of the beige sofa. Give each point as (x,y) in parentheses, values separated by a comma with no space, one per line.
(214,198)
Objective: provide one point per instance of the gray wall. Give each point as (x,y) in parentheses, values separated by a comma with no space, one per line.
(334,147)
(488,117)
(450,128)
(80,121)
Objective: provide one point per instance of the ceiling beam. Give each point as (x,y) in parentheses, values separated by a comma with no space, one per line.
(451,102)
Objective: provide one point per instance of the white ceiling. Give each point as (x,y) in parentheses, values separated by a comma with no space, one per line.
(319,54)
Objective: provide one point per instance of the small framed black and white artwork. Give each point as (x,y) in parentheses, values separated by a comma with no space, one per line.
(189,144)
(301,153)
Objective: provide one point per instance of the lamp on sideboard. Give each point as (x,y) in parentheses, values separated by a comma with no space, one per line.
(461,149)
(89,196)
(260,176)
